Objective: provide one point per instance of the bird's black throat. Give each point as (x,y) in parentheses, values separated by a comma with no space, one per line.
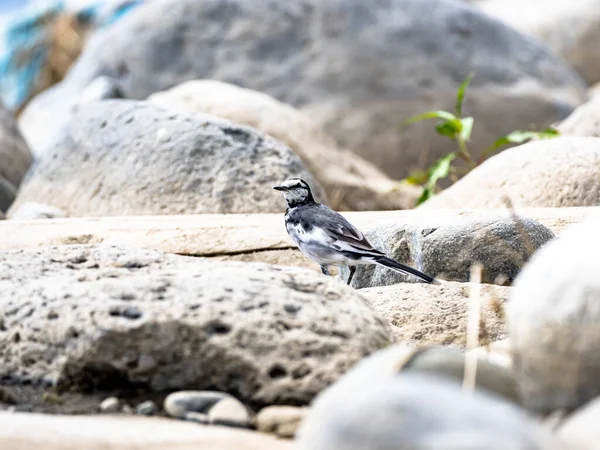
(308,200)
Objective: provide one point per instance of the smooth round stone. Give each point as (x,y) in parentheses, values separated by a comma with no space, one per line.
(147,408)
(450,362)
(179,404)
(280,420)
(110,405)
(231,412)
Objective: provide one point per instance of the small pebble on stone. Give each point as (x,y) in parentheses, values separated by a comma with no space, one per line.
(230,412)
(110,405)
(147,408)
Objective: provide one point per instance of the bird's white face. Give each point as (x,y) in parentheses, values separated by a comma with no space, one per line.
(295,191)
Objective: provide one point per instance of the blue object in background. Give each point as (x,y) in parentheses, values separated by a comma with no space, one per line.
(24,39)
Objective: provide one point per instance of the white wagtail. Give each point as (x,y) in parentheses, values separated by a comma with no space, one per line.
(327,237)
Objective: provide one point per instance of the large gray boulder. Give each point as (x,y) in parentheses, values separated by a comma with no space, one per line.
(358,69)
(570,30)
(15,158)
(374,408)
(102,317)
(554,322)
(350,182)
(448,249)
(123,157)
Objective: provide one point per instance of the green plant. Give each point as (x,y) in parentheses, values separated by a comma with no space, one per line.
(459,129)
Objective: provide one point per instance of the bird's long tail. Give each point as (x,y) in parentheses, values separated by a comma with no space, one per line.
(399,267)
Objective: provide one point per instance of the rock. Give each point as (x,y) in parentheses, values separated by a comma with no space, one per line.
(521,175)
(569,29)
(500,242)
(120,157)
(580,429)
(282,421)
(425,314)
(8,193)
(230,412)
(110,405)
(87,317)
(286,50)
(147,408)
(412,411)
(179,404)
(213,407)
(33,211)
(497,352)
(349,181)
(15,158)
(554,322)
(54,432)
(450,363)
(584,121)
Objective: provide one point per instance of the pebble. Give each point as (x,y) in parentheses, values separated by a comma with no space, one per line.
(147,408)
(212,407)
(178,404)
(282,421)
(110,405)
(231,412)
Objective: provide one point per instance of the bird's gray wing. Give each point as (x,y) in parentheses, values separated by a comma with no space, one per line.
(344,235)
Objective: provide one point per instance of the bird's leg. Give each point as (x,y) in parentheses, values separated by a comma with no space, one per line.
(325,271)
(352,269)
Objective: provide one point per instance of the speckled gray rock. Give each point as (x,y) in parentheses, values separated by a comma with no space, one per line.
(551,173)
(554,322)
(367,410)
(430,314)
(90,317)
(448,249)
(120,157)
(287,50)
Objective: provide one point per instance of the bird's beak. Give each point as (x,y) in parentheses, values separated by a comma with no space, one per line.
(279,188)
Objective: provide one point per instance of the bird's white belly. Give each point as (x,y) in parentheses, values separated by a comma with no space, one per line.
(319,247)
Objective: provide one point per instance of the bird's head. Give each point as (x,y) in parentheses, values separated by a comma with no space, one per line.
(295,191)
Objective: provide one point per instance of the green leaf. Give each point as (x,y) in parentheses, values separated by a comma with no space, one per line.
(440,169)
(442,115)
(466,129)
(418,177)
(449,128)
(520,137)
(460,94)
(426,195)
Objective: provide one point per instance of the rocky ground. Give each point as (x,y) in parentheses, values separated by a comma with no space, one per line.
(150,297)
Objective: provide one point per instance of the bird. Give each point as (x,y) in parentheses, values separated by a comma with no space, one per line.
(327,238)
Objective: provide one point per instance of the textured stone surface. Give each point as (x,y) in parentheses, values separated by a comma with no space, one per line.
(350,182)
(46,432)
(501,243)
(100,317)
(570,30)
(554,322)
(425,314)
(121,157)
(553,173)
(367,409)
(344,62)
(584,121)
